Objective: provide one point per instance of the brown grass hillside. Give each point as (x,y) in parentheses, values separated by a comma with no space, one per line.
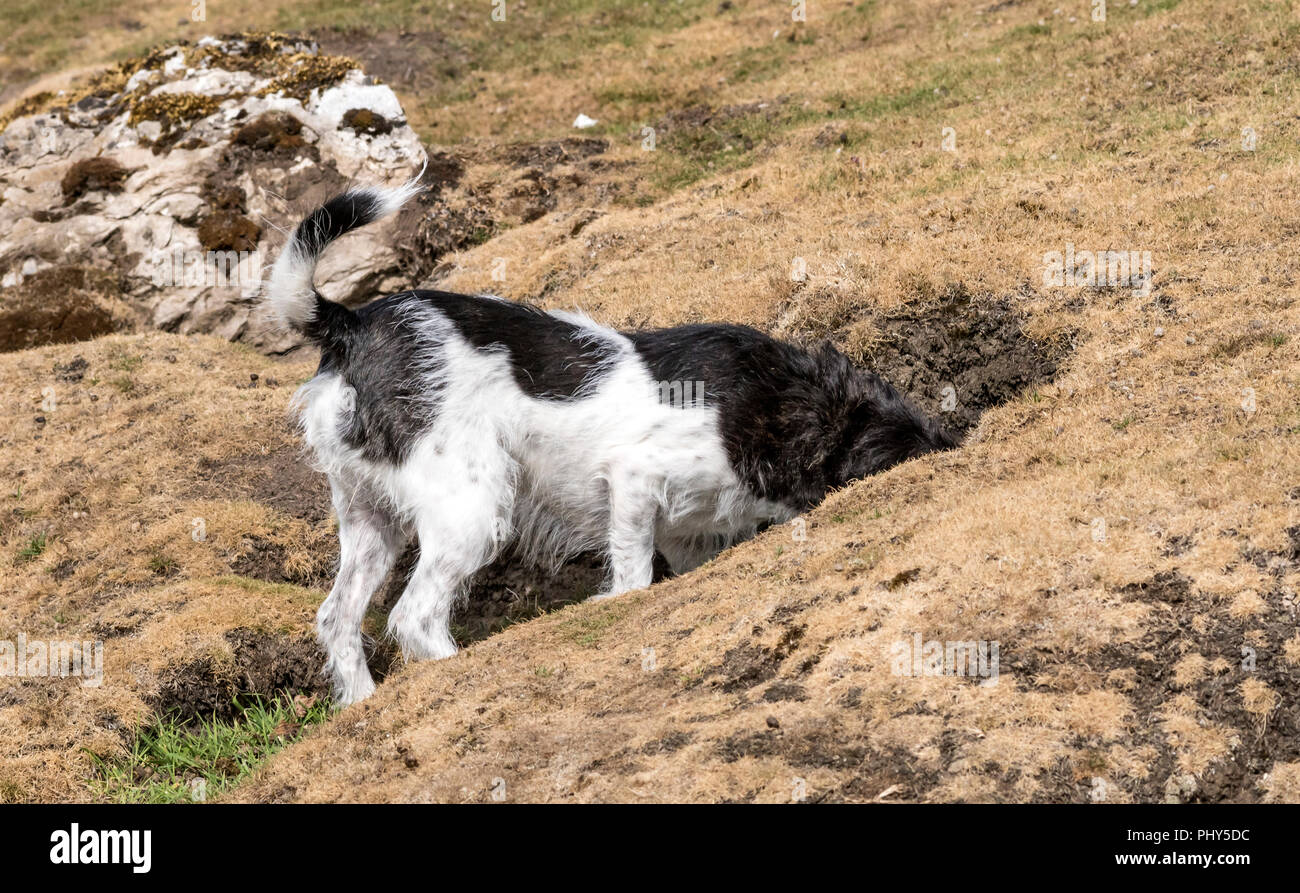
(1123,518)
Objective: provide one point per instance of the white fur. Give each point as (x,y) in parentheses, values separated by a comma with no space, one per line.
(615,470)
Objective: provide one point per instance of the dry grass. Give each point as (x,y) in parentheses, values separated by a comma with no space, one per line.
(1157,660)
(111,481)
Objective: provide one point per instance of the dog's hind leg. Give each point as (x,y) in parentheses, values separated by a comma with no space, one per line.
(462,518)
(369,542)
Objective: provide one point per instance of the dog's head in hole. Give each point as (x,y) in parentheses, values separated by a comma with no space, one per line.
(476,424)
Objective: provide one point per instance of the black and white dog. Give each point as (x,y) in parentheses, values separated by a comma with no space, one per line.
(475,423)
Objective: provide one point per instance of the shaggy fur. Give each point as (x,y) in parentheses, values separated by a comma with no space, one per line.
(476,423)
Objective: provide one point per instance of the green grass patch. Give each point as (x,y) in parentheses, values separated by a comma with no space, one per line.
(171,762)
(125,362)
(163,565)
(33,549)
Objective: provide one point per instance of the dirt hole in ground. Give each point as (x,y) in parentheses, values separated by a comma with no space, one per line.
(263,665)
(959,356)
(955,354)
(504,593)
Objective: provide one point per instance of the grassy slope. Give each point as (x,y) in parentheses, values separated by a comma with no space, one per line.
(1114,679)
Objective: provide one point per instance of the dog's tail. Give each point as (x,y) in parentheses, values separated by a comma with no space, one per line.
(292,296)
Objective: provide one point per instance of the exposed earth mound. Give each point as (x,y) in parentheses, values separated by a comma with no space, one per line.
(60,304)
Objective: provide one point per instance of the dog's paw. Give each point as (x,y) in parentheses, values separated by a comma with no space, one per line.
(427,646)
(440,650)
(353,690)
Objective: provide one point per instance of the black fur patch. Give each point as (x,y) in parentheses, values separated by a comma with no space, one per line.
(795,424)
(380,354)
(339,215)
(379,357)
(551,359)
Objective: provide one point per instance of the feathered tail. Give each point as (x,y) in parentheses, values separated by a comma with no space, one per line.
(290,291)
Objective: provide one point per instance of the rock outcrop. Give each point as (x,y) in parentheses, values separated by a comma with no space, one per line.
(174,171)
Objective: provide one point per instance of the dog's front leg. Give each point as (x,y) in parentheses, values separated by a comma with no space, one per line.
(631,536)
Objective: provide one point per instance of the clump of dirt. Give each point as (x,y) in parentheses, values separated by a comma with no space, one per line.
(366,122)
(98,174)
(281,479)
(1169,587)
(72,371)
(228,231)
(266,559)
(444,172)
(552,152)
(274,131)
(432,226)
(262,559)
(746,666)
(879,772)
(531,196)
(62,304)
(873,770)
(262,665)
(670,743)
(785,691)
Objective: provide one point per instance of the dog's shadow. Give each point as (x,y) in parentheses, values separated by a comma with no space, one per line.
(506,592)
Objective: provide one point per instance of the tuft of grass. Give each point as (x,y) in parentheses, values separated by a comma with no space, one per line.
(171,762)
(35,546)
(125,362)
(587,627)
(163,565)
(1239,344)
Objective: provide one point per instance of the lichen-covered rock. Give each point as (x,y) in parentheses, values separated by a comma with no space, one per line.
(173,171)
